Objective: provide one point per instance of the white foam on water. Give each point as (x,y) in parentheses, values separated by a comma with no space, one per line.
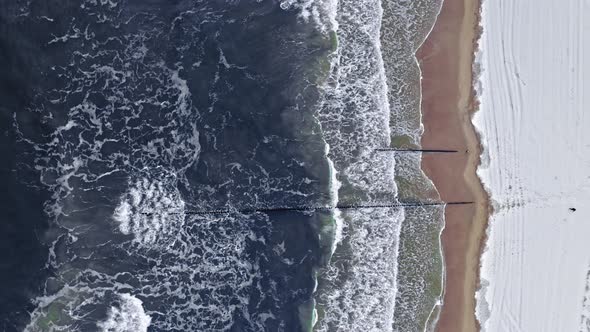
(320,12)
(109,3)
(148,209)
(357,290)
(128,316)
(194,273)
(203,278)
(92,141)
(334,187)
(406,24)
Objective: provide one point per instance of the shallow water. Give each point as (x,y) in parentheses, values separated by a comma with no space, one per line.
(371,100)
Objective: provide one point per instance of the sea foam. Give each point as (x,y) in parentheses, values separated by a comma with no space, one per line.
(127,316)
(357,289)
(147,210)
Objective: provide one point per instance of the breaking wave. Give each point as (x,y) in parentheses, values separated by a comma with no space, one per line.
(372,100)
(128,316)
(357,289)
(151,211)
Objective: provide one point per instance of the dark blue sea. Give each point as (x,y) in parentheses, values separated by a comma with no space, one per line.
(152,150)
(122,121)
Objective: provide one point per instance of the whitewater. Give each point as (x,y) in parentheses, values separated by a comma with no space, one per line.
(370,101)
(145,116)
(533,120)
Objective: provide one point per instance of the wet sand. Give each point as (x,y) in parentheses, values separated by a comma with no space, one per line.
(448,102)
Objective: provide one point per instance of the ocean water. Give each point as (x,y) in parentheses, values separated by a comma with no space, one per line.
(405,26)
(125,121)
(385,258)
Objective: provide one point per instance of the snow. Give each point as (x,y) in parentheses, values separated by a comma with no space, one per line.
(535,125)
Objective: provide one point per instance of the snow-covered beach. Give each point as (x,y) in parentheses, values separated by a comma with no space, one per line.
(533,118)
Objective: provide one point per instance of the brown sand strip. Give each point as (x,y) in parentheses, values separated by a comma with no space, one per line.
(446,59)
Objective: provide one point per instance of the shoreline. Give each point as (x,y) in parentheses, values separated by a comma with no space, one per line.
(447,56)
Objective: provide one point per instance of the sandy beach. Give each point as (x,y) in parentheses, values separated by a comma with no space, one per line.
(448,103)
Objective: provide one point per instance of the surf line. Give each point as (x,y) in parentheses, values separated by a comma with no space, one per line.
(326,208)
(416,150)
